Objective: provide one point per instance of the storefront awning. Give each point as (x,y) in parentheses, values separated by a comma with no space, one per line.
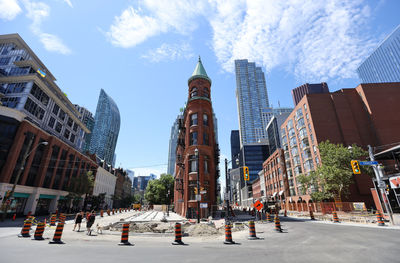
(274,194)
(281,192)
(62,198)
(47,196)
(24,195)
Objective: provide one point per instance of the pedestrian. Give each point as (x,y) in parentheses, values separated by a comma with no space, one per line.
(90,222)
(78,220)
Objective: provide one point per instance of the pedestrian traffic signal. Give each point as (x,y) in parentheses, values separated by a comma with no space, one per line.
(195,190)
(355,167)
(246,173)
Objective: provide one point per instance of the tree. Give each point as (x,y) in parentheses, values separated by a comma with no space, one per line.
(157,190)
(334,176)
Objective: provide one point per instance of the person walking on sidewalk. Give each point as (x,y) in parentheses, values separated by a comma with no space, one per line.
(90,222)
(78,220)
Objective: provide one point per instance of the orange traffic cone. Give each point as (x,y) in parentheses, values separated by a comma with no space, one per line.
(312,214)
(125,235)
(252,231)
(228,235)
(39,231)
(335,217)
(178,235)
(380,219)
(26,228)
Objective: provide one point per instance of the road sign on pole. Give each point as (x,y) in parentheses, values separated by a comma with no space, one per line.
(258,205)
(368,163)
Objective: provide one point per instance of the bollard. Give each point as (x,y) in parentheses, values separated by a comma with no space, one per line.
(26,228)
(39,231)
(120,210)
(101,213)
(108,212)
(335,217)
(14,216)
(252,231)
(125,235)
(178,235)
(285,213)
(379,218)
(58,234)
(312,214)
(113,211)
(228,235)
(53,220)
(277,224)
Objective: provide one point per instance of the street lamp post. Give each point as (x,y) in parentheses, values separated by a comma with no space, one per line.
(196,153)
(227,196)
(21,169)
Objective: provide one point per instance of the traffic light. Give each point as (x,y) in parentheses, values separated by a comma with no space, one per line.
(195,190)
(246,173)
(355,167)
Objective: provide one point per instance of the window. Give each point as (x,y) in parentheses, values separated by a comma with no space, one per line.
(305,106)
(206,140)
(206,166)
(15,88)
(40,95)
(206,93)
(67,133)
(34,109)
(58,127)
(10,102)
(51,122)
(194,92)
(193,138)
(205,119)
(61,115)
(193,119)
(4,61)
(72,139)
(192,164)
(55,109)
(75,127)
(70,122)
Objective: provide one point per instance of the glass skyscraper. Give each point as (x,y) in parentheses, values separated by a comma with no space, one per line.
(106,128)
(383,65)
(173,140)
(252,99)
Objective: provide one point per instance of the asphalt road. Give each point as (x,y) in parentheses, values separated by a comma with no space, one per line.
(302,241)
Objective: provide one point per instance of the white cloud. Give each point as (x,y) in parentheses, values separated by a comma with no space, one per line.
(132,27)
(147,171)
(68,2)
(9,9)
(54,43)
(169,52)
(37,12)
(315,40)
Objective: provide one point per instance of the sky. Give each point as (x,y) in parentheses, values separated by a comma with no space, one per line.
(143,52)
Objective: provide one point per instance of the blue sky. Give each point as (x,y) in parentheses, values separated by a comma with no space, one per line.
(142,53)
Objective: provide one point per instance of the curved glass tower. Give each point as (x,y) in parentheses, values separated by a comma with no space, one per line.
(106,128)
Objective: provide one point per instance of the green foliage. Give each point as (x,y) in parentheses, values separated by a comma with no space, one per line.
(335,175)
(81,185)
(157,190)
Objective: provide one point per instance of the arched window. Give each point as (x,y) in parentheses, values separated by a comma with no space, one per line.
(205,119)
(193,119)
(206,92)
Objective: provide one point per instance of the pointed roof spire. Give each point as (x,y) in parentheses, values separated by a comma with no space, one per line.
(199,72)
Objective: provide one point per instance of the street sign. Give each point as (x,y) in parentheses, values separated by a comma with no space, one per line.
(226,196)
(368,163)
(203,205)
(394,182)
(381,184)
(198,197)
(258,205)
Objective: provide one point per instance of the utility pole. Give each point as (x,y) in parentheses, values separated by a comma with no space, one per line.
(381,185)
(227,192)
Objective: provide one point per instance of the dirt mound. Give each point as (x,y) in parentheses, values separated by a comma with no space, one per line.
(201,230)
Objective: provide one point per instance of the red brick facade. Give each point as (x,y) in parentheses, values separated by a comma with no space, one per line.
(196,132)
(276,180)
(364,115)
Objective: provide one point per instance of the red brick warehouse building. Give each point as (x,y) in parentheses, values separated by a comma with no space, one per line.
(197,172)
